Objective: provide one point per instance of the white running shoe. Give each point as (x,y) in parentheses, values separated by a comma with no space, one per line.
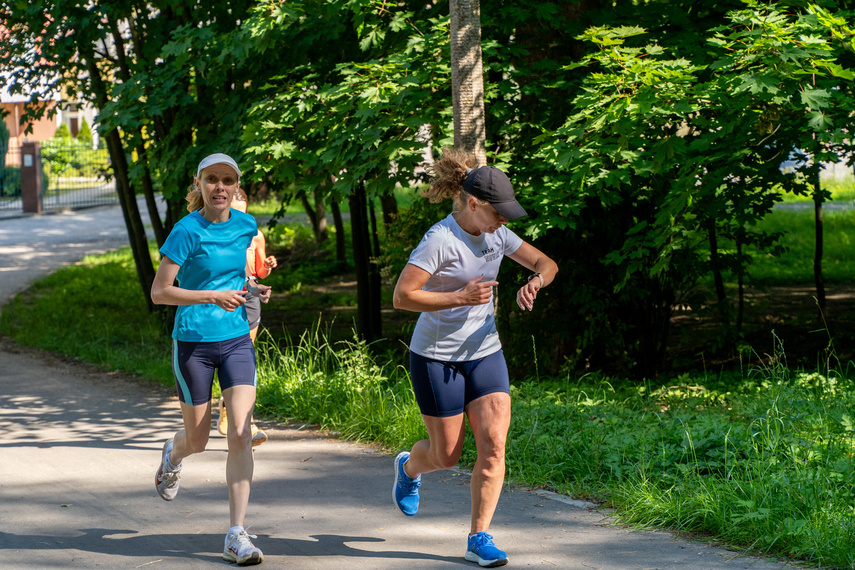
(240,549)
(166,480)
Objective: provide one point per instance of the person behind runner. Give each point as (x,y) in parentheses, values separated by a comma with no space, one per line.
(206,253)
(258,266)
(457,366)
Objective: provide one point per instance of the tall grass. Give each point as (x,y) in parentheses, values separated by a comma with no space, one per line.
(762,460)
(341,388)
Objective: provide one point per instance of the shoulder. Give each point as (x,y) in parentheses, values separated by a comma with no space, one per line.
(187,225)
(244,223)
(441,230)
(508,239)
(243,218)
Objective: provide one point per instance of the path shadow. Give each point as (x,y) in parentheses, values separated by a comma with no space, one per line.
(198,546)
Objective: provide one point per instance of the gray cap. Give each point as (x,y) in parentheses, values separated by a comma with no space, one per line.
(217,158)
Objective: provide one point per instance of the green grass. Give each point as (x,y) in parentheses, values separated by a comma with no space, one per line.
(763,459)
(795,265)
(93,311)
(842,189)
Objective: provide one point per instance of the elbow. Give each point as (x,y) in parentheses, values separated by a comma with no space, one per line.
(400,300)
(553,267)
(156,296)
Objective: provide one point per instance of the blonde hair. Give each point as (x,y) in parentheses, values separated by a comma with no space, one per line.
(448,174)
(194,198)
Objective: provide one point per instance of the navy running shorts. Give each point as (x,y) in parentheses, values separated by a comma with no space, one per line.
(194,364)
(443,389)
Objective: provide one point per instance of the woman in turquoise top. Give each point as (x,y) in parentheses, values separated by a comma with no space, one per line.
(206,254)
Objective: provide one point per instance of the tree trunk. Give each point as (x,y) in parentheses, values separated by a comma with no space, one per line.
(311,212)
(365,320)
(817,257)
(151,200)
(718,280)
(654,322)
(322,234)
(127,197)
(375,282)
(390,208)
(740,282)
(340,246)
(467,78)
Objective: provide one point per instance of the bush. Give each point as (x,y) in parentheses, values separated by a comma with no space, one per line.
(10,181)
(85,134)
(73,158)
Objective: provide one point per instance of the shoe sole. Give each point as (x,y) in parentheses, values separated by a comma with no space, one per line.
(251,561)
(259,438)
(472,557)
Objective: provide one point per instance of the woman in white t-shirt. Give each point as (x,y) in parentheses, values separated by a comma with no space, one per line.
(457,366)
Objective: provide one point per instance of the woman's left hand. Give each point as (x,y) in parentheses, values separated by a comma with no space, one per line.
(270,262)
(527,294)
(264,293)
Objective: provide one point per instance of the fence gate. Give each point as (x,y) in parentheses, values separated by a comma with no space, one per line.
(10,177)
(74,175)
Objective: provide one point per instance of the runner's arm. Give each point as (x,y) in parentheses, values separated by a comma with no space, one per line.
(165,292)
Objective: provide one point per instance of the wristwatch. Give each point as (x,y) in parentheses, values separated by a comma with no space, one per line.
(533,275)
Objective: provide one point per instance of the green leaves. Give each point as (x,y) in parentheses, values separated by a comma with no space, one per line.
(354,118)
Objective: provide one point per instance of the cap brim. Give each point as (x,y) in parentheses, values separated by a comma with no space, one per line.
(510,210)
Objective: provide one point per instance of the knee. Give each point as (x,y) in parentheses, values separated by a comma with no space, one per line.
(240,438)
(196,442)
(492,448)
(446,458)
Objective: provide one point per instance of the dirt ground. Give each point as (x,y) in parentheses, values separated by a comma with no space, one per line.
(778,321)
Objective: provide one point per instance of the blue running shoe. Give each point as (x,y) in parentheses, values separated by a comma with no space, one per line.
(405,493)
(482,550)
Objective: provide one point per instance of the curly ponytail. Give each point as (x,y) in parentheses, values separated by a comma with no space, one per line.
(448,174)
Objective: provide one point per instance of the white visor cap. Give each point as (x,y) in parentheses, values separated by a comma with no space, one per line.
(217,158)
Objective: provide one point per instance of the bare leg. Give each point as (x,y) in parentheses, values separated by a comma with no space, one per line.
(239,466)
(443,448)
(489,418)
(194,437)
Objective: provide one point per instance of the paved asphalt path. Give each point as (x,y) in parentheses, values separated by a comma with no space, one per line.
(80,448)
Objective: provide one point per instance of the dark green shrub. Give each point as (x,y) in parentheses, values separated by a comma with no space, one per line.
(10,181)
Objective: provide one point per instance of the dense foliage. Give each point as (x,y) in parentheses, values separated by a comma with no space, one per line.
(644,138)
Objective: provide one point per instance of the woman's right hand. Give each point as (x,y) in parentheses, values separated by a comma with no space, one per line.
(230,300)
(478,292)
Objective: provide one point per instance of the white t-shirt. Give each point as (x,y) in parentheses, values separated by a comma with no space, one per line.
(453,258)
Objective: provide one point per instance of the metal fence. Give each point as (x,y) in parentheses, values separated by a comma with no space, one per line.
(10,177)
(74,175)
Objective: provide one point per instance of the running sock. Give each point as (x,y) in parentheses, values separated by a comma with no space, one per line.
(169,462)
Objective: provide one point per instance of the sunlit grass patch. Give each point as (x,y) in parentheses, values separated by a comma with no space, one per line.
(93,311)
